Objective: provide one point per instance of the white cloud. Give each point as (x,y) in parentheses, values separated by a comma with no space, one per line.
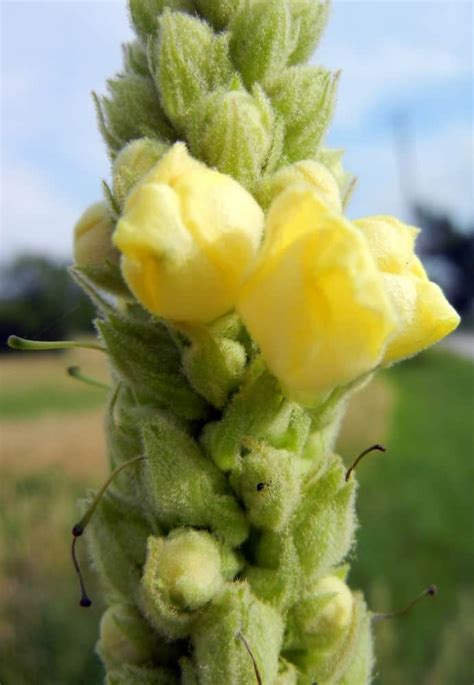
(35,217)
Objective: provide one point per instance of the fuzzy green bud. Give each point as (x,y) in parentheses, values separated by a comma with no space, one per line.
(135,60)
(145,14)
(188,60)
(322,618)
(214,365)
(232,131)
(268,484)
(184,487)
(309,18)
(131,110)
(217,12)
(125,637)
(261,40)
(304,98)
(132,163)
(324,523)
(220,653)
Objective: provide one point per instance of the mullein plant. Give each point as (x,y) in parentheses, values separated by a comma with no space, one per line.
(241,310)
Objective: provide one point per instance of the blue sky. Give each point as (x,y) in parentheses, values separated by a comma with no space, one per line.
(406,59)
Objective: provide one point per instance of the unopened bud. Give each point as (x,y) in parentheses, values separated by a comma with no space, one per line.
(133,162)
(125,637)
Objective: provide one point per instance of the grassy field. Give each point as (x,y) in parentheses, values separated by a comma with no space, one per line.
(415,507)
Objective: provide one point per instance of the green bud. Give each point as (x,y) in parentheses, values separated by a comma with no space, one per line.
(184,487)
(217,12)
(330,664)
(309,19)
(304,98)
(268,484)
(183,572)
(324,523)
(250,412)
(261,40)
(145,14)
(94,252)
(220,654)
(145,356)
(276,578)
(117,537)
(125,637)
(133,162)
(135,60)
(188,61)
(213,365)
(135,675)
(131,110)
(322,618)
(232,131)
(360,669)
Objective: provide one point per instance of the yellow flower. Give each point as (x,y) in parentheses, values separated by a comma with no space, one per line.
(188,236)
(315,302)
(424,314)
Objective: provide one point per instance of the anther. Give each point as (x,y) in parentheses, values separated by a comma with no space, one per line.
(380,448)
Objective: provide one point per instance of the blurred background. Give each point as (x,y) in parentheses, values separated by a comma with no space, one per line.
(404,117)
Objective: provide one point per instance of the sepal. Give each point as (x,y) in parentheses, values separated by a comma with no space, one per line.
(136,675)
(185,488)
(214,365)
(132,163)
(145,14)
(309,18)
(220,654)
(261,40)
(188,60)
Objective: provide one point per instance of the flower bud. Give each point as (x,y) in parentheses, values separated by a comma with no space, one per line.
(324,522)
(182,573)
(322,619)
(304,98)
(261,40)
(94,252)
(145,14)
(233,132)
(125,637)
(188,61)
(332,160)
(217,12)
(309,17)
(93,237)
(131,110)
(308,171)
(184,487)
(214,365)
(315,302)
(267,482)
(424,314)
(133,162)
(188,236)
(220,655)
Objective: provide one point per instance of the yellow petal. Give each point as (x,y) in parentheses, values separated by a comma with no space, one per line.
(425,316)
(188,236)
(391,242)
(315,303)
